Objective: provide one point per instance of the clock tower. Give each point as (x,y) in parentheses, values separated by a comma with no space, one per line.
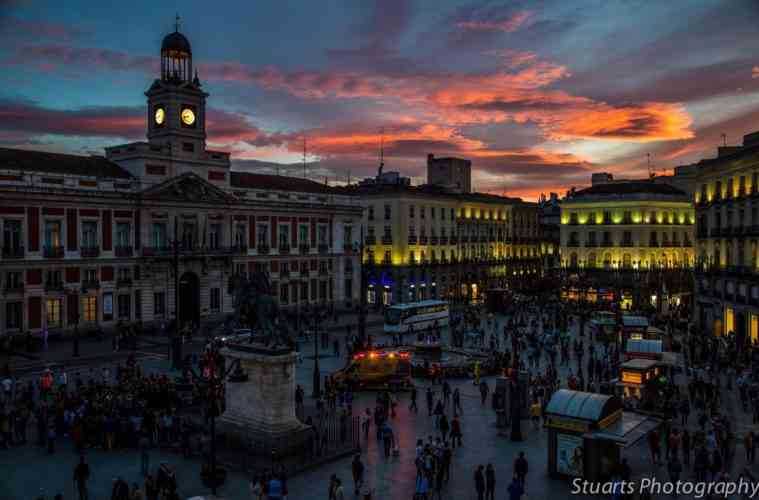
(176,102)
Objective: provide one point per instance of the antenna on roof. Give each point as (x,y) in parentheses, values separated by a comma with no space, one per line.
(382,151)
(304,157)
(651,173)
(176,23)
(349,177)
(724,139)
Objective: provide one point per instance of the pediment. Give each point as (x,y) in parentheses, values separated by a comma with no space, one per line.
(188,187)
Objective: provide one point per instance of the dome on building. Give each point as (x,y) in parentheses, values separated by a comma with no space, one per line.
(176,42)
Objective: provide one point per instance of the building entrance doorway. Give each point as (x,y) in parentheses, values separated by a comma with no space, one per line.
(189,299)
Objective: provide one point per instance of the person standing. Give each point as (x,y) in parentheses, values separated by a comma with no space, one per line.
(750,445)
(151,488)
(457,409)
(429,401)
(357,468)
(489,482)
(479,482)
(413,406)
(521,468)
(81,476)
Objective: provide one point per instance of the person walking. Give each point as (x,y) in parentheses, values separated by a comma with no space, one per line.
(749,443)
(120,490)
(81,476)
(357,468)
(144,445)
(413,406)
(479,482)
(489,482)
(456,433)
(674,468)
(521,468)
(685,443)
(515,489)
(429,401)
(457,409)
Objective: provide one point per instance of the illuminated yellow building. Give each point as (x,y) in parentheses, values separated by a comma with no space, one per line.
(423,242)
(726,195)
(630,241)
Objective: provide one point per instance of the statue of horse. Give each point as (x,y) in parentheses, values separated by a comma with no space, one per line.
(255,307)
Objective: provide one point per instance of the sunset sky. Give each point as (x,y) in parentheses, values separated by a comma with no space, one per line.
(538,94)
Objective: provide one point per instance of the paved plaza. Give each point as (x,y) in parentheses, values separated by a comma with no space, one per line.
(35,472)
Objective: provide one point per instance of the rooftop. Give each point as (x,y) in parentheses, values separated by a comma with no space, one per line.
(248,180)
(58,163)
(428,189)
(631,187)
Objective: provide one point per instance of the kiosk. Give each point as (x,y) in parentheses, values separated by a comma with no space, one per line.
(588,432)
(604,326)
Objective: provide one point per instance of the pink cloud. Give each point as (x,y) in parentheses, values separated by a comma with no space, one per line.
(755,72)
(506,24)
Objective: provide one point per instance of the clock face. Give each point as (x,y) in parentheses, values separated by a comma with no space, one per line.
(188,117)
(160,116)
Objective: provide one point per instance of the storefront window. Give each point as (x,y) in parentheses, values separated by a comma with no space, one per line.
(53,313)
(89,308)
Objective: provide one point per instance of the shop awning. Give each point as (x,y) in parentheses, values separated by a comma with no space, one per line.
(628,430)
(581,405)
(644,346)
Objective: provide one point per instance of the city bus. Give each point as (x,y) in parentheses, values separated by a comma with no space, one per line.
(400,318)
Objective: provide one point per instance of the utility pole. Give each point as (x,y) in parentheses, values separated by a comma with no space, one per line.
(362,294)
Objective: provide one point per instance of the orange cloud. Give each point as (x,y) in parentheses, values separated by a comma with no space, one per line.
(507,24)
(755,72)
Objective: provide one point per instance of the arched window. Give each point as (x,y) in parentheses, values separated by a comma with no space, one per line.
(573,259)
(627,261)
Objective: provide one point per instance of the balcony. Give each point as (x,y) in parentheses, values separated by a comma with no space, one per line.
(13,288)
(304,248)
(626,243)
(323,272)
(687,244)
(434,240)
(284,249)
(89,252)
(465,239)
(123,251)
(412,240)
(54,286)
(161,251)
(715,232)
(454,240)
(90,284)
(370,240)
(239,249)
(423,240)
(123,282)
(387,240)
(591,244)
(323,248)
(653,243)
(53,252)
(13,252)
(349,247)
(573,244)
(262,249)
(443,240)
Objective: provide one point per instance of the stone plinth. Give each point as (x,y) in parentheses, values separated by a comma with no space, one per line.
(260,411)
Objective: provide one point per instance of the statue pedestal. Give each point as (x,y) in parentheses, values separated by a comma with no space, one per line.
(260,411)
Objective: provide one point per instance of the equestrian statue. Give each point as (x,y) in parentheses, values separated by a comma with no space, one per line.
(255,308)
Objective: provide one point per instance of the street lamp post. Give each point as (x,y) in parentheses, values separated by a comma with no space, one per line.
(214,385)
(176,341)
(317,374)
